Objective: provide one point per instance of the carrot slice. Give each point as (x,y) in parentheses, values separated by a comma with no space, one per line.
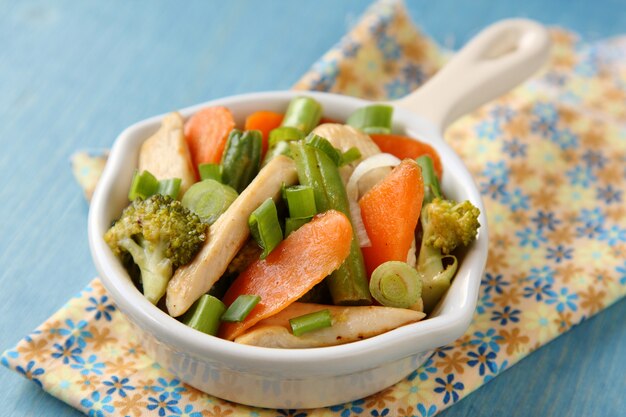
(264,121)
(299,262)
(206,133)
(406,147)
(390,211)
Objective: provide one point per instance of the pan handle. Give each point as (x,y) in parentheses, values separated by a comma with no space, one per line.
(492,63)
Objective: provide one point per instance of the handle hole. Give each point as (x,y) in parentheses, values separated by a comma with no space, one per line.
(506,44)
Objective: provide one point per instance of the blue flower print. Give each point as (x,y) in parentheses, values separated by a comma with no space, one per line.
(389,47)
(119,385)
(539,291)
(349,408)
(613,236)
(89,366)
(559,253)
(423,371)
(76,332)
(544,119)
(484,303)
(594,216)
(566,139)
(543,274)
(497,370)
(162,404)
(67,351)
(397,88)
(497,171)
(516,200)
(622,271)
(172,387)
(97,404)
(493,189)
(594,159)
(506,315)
(349,47)
(581,175)
(488,339)
(188,412)
(514,148)
(530,237)
(494,282)
(432,410)
(31,372)
(101,307)
(488,129)
(589,230)
(609,194)
(413,73)
(564,300)
(483,360)
(545,220)
(449,387)
(376,413)
(502,113)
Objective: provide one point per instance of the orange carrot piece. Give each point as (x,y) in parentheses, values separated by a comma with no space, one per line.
(406,147)
(206,133)
(299,262)
(264,121)
(390,211)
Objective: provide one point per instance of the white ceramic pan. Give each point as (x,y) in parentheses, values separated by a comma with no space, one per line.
(495,61)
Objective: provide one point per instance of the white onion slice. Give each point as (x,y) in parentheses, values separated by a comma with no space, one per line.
(380,160)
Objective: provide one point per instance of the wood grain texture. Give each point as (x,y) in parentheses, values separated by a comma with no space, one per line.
(74,74)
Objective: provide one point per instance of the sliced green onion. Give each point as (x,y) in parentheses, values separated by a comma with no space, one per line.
(281,148)
(264,227)
(210,172)
(396,284)
(284,134)
(144,185)
(204,315)
(431,182)
(303,113)
(350,156)
(325,146)
(301,201)
(170,187)
(240,308)
(209,199)
(372,119)
(294,223)
(312,321)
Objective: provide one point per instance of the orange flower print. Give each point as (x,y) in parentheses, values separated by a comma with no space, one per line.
(513,340)
(131,405)
(36,349)
(217,411)
(592,300)
(381,399)
(452,363)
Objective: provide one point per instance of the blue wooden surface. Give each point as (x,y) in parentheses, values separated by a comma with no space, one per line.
(74,74)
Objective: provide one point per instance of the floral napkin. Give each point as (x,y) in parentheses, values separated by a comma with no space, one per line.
(550,161)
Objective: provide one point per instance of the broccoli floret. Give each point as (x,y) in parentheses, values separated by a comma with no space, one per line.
(450,224)
(446,225)
(160,235)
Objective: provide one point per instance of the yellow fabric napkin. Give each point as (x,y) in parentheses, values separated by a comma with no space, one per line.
(549,159)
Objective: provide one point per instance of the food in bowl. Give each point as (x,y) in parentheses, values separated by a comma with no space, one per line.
(293,232)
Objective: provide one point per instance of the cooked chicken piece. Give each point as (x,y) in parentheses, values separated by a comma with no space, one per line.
(344,137)
(166,154)
(349,324)
(226,236)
